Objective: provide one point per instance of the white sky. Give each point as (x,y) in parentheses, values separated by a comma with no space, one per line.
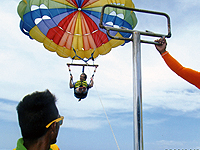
(26,66)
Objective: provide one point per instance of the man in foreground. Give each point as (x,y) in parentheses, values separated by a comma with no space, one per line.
(39,121)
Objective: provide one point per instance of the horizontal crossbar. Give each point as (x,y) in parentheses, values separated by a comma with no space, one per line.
(71,64)
(147,33)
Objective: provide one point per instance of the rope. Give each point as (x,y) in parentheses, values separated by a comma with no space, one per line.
(70,72)
(108,120)
(93,74)
(101,104)
(106,116)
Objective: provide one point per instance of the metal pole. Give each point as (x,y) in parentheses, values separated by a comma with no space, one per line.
(137,93)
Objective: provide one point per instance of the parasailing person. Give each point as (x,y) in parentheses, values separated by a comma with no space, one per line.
(81,86)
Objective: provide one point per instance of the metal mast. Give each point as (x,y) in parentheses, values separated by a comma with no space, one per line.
(136,51)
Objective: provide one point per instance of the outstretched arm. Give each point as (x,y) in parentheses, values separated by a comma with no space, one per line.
(71,85)
(188,74)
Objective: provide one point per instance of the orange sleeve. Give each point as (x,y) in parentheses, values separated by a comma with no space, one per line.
(188,74)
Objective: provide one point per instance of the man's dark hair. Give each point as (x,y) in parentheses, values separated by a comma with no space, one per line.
(84,75)
(35,111)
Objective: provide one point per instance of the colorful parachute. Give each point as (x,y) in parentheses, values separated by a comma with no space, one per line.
(71,27)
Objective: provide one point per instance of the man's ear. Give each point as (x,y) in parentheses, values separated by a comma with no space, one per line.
(53,127)
(53,132)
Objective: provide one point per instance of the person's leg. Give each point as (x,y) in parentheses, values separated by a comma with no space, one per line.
(79,90)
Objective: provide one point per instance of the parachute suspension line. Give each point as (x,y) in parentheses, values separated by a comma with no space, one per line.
(85,60)
(105,112)
(93,74)
(70,72)
(108,120)
(83,69)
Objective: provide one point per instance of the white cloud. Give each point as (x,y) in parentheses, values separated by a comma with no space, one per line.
(84,124)
(8,110)
(185,4)
(173,144)
(154,121)
(170,143)
(26,66)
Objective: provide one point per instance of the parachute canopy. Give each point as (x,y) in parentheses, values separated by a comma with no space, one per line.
(71,27)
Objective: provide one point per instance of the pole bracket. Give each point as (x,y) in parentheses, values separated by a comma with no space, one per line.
(147,33)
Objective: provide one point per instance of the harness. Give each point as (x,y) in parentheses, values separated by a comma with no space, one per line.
(80,84)
(83,83)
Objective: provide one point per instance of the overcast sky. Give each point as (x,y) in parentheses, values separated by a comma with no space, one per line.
(171,106)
